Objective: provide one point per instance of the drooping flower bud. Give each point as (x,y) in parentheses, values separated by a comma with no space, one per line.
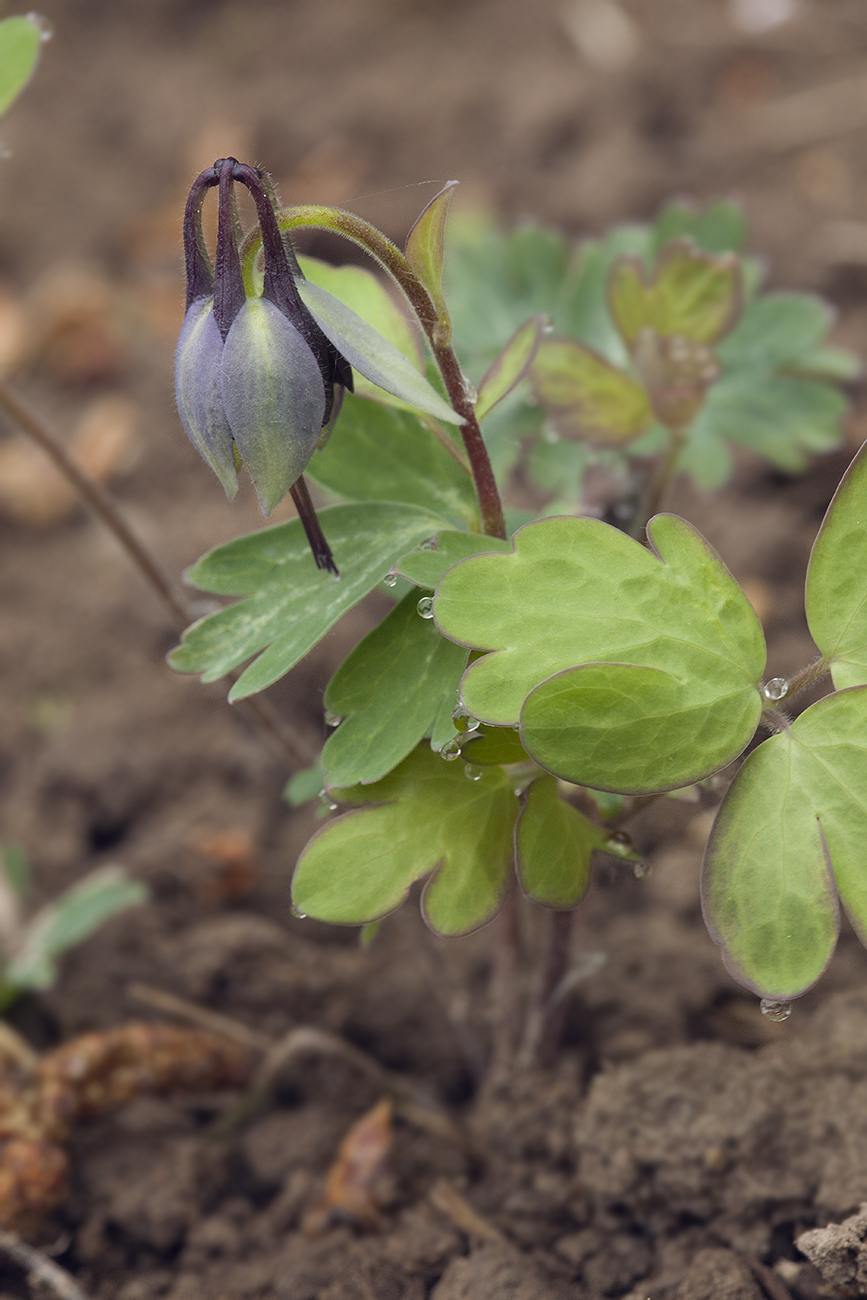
(256,379)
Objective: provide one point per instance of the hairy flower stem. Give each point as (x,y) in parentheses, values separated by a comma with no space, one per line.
(392,260)
(95,496)
(813,672)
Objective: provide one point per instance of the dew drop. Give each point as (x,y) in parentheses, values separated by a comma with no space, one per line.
(326,801)
(296,911)
(640,870)
(429,545)
(463,720)
(451,750)
(775,1010)
(332,719)
(775,689)
(473,773)
(425,606)
(43,24)
(390,580)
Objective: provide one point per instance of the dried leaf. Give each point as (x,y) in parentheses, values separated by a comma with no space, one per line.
(355,1184)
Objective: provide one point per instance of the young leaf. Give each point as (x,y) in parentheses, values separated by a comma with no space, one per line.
(692,294)
(510,367)
(576,591)
(792,826)
(427,566)
(554,844)
(425,250)
(20,39)
(360,290)
(371,354)
(377,453)
(290,604)
(71,918)
(585,397)
(388,693)
(430,821)
(836,591)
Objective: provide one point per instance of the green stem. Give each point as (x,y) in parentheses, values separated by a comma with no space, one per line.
(657,489)
(392,260)
(806,677)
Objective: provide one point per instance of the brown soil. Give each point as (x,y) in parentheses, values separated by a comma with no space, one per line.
(680,1143)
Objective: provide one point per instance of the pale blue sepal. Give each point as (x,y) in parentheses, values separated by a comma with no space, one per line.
(273,396)
(197,388)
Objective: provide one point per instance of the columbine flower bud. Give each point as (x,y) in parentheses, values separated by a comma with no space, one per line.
(256,379)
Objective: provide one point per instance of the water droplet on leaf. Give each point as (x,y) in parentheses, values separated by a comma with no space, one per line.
(425,607)
(429,545)
(775,689)
(640,870)
(451,750)
(775,1010)
(473,773)
(326,801)
(390,580)
(332,719)
(463,720)
(296,911)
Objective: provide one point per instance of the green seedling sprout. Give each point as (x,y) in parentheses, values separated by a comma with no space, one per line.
(31,945)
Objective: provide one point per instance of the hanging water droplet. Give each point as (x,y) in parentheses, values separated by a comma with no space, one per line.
(463,720)
(296,911)
(429,545)
(775,1009)
(45,26)
(390,580)
(425,606)
(332,719)
(326,801)
(473,773)
(451,750)
(640,870)
(775,689)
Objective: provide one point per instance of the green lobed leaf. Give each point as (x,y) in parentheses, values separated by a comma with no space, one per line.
(792,827)
(20,39)
(511,365)
(425,251)
(70,919)
(431,821)
(778,416)
(554,845)
(690,293)
(371,354)
(578,592)
(388,692)
(290,604)
(585,397)
(426,566)
(836,588)
(718,228)
(378,453)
